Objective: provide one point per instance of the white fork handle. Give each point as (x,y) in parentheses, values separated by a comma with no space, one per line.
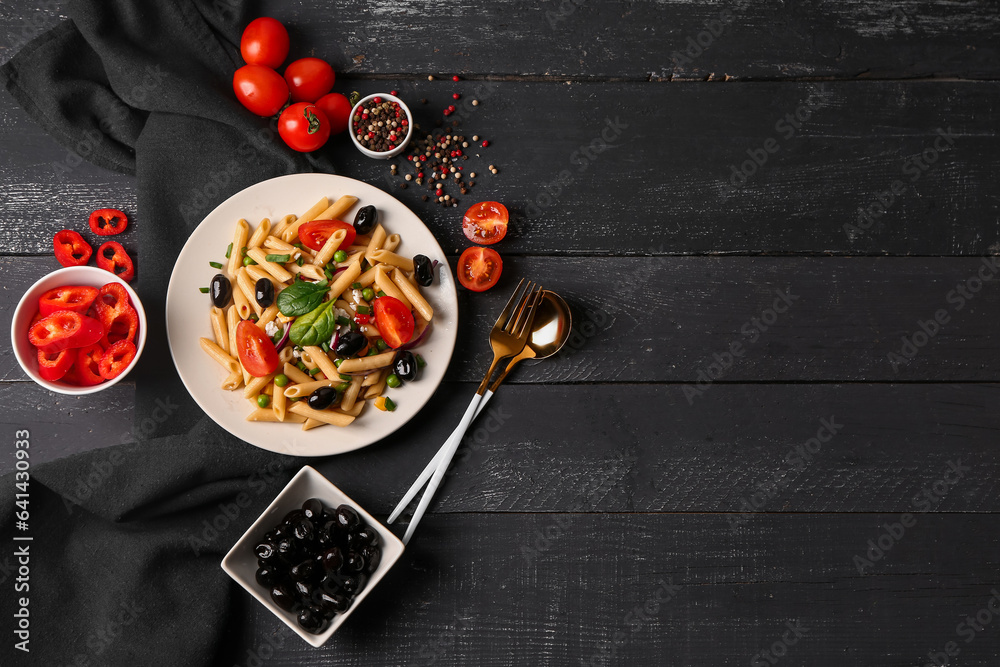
(453,442)
(432,465)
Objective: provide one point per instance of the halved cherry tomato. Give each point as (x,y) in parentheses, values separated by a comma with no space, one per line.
(63,329)
(111,256)
(313,234)
(71,297)
(264,42)
(337,109)
(260,89)
(303,127)
(53,366)
(71,249)
(486,222)
(479,268)
(255,349)
(87,371)
(116,359)
(108,222)
(393,320)
(309,79)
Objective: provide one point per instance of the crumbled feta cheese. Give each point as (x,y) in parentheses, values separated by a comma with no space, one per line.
(271,328)
(297,353)
(357,296)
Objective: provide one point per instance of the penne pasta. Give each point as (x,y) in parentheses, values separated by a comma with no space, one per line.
(387,285)
(378,238)
(256,273)
(294,374)
(268,315)
(383,256)
(255,385)
(282,225)
(239,242)
(413,295)
(362,364)
(304,389)
(219,356)
(219,328)
(344,279)
(312,423)
(310,271)
(338,208)
(355,411)
(233,381)
(331,245)
(259,234)
(246,286)
(391,242)
(291,232)
(243,308)
(277,270)
(335,418)
(278,402)
(323,361)
(266,415)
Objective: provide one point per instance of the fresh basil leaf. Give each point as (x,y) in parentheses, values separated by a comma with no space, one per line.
(315,327)
(300,298)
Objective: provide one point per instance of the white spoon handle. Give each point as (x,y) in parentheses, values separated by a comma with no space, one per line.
(432,466)
(453,442)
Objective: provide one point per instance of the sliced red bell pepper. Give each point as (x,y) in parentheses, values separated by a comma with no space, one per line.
(72,297)
(111,256)
(64,329)
(88,365)
(71,249)
(53,366)
(72,376)
(117,316)
(116,359)
(108,222)
(34,318)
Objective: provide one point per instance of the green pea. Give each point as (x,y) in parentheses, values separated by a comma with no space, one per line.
(340,257)
(382,345)
(393,381)
(263,400)
(281,379)
(368,294)
(253,317)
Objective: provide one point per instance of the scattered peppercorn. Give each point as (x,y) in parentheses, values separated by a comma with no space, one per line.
(455,78)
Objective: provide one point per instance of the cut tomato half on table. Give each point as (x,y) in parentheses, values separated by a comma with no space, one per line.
(77,298)
(479,268)
(116,359)
(314,234)
(255,350)
(394,321)
(70,248)
(107,222)
(486,222)
(111,256)
(64,329)
(87,371)
(53,366)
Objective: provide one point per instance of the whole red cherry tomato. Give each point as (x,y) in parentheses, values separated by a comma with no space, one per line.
(309,79)
(337,109)
(303,127)
(260,89)
(265,42)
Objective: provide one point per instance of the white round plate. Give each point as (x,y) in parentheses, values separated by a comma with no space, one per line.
(188,314)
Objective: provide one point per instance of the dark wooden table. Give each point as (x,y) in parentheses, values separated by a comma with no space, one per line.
(773,437)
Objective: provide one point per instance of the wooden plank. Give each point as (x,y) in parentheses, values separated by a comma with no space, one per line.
(642,448)
(661,190)
(63,425)
(465,594)
(657,319)
(635,40)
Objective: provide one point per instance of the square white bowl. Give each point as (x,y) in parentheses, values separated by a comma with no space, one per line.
(241,562)
(27,354)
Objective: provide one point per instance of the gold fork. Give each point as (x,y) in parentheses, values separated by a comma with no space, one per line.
(507,338)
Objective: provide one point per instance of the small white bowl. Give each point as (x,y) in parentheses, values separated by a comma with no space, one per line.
(387,154)
(27,354)
(241,561)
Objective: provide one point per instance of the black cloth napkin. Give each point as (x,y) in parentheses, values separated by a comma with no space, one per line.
(124,568)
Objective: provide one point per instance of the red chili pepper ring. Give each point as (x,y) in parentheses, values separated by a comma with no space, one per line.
(108,222)
(111,256)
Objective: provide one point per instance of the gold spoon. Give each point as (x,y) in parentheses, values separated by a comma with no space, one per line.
(549,332)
